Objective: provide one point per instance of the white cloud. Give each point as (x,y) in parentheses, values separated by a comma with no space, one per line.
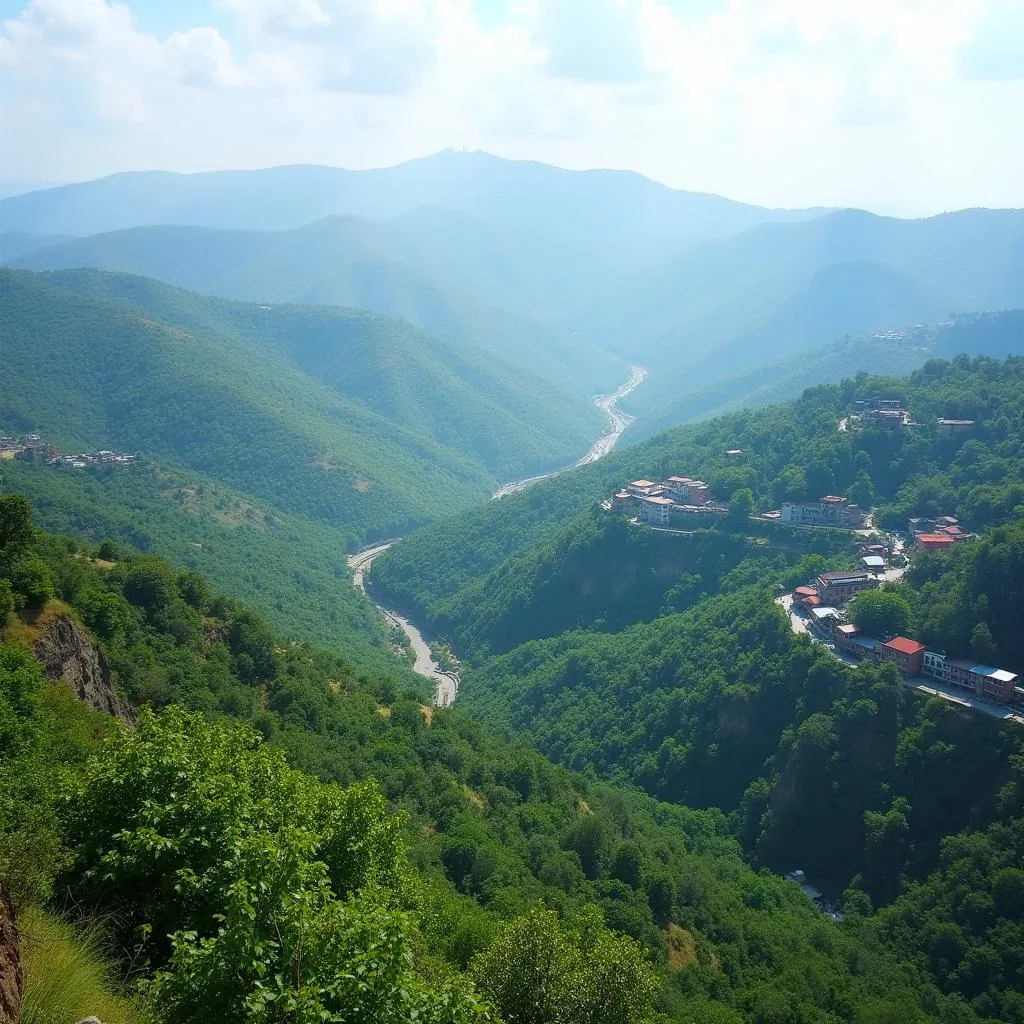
(903,105)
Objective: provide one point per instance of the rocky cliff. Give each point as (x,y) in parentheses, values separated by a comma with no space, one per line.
(10,963)
(68,654)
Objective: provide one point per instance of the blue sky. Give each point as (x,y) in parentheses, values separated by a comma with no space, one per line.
(901,106)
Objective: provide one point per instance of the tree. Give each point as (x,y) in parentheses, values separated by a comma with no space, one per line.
(983,646)
(881,612)
(15,522)
(741,506)
(32,579)
(539,972)
(862,491)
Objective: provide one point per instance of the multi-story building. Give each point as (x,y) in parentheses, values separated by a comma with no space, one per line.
(837,587)
(830,510)
(656,510)
(934,541)
(686,491)
(643,488)
(993,683)
(907,655)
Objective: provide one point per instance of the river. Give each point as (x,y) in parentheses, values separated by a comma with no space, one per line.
(446,684)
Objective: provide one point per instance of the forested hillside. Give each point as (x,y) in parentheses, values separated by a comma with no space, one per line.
(439,269)
(358,421)
(893,352)
(794,451)
(416,896)
(662,662)
(784,288)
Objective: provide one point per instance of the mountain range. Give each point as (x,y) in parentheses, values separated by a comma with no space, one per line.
(348,417)
(551,271)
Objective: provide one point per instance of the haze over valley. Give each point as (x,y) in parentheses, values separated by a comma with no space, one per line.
(511,513)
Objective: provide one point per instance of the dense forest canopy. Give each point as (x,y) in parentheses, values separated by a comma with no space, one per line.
(434,860)
(661,660)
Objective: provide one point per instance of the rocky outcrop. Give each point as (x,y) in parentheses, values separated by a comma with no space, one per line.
(11,979)
(68,654)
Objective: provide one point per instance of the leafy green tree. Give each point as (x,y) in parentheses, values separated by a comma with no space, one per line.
(538,972)
(194,590)
(15,522)
(282,897)
(881,612)
(983,646)
(252,643)
(149,583)
(741,506)
(862,491)
(32,579)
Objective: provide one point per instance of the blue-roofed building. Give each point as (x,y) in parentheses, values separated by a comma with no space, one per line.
(996,684)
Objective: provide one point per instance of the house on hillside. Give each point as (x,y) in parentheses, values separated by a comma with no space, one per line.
(934,541)
(830,510)
(992,683)
(643,488)
(839,587)
(656,510)
(907,655)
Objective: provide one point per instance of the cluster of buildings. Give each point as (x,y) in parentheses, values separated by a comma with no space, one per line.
(93,459)
(936,534)
(829,590)
(889,412)
(829,510)
(33,448)
(880,412)
(661,504)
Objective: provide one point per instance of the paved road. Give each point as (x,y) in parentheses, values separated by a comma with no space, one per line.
(923,684)
(446,684)
(618,421)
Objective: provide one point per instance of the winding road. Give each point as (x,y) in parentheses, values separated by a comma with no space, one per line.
(618,421)
(446,684)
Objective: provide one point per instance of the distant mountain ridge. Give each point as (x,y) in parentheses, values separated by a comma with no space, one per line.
(561,203)
(444,271)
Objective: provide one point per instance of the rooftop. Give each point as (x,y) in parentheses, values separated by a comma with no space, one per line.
(904,645)
(680,480)
(839,577)
(805,590)
(874,561)
(849,629)
(935,538)
(825,612)
(659,501)
(643,483)
(835,499)
(999,674)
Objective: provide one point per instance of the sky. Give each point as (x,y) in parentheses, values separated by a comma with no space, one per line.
(908,107)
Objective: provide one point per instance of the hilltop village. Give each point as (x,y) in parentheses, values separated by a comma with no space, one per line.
(681,504)
(33,448)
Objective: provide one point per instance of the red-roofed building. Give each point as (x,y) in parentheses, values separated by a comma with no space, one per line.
(906,654)
(934,541)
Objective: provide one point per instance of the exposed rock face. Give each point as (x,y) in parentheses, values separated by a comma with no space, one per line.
(11,979)
(69,655)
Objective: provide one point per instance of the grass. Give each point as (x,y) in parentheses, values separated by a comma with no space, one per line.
(68,977)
